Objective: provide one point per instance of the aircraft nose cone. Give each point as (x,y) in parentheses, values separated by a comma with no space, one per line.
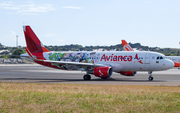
(170,64)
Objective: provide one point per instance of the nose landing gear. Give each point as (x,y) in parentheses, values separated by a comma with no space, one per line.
(150,76)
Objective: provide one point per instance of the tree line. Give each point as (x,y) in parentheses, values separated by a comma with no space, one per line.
(13,51)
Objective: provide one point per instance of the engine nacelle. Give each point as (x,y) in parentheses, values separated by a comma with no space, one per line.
(128,73)
(176,64)
(103,72)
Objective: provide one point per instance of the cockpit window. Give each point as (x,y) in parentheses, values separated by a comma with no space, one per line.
(157,58)
(160,57)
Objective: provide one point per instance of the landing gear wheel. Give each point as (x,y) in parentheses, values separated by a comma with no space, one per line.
(150,78)
(150,75)
(87,77)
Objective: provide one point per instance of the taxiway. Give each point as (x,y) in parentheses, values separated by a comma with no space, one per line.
(34,73)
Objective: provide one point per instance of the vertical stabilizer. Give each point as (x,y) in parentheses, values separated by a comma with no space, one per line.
(34,45)
(126,46)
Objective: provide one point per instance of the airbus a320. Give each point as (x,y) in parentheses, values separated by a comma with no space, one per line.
(101,64)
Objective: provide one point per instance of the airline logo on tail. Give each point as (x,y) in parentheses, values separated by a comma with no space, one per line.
(126,46)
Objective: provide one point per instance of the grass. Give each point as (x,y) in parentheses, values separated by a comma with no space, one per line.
(67,98)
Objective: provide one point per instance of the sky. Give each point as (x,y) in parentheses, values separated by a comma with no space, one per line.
(154,23)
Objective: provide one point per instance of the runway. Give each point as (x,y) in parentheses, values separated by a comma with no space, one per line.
(34,73)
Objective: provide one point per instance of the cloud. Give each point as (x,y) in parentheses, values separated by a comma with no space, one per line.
(8,5)
(72,7)
(28,9)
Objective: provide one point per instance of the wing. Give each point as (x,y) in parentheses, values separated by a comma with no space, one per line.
(73,63)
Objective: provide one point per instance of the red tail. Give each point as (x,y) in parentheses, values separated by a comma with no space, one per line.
(124,43)
(126,46)
(34,45)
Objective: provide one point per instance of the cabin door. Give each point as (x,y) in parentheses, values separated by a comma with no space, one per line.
(147,58)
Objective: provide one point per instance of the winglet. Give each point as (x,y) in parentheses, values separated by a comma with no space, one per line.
(126,46)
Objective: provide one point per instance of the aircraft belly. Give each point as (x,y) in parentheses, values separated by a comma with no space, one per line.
(130,66)
(117,67)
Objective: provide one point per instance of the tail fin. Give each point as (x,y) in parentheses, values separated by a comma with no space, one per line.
(33,57)
(34,45)
(126,46)
(29,53)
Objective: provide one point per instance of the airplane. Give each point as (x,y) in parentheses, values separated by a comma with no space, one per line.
(101,64)
(175,59)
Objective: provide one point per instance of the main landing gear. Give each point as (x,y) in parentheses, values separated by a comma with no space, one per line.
(87,77)
(150,75)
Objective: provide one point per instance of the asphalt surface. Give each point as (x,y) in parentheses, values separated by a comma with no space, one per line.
(34,73)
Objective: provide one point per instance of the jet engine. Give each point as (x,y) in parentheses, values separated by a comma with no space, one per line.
(128,73)
(103,72)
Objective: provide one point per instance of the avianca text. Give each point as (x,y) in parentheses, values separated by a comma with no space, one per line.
(116,58)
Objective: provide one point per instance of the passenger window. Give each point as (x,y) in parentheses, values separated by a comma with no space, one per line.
(161,57)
